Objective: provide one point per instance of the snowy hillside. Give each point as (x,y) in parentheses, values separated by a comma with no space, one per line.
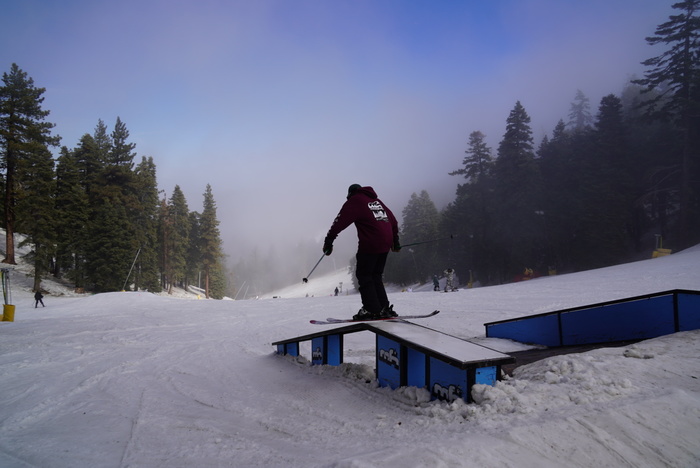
(143,380)
(318,286)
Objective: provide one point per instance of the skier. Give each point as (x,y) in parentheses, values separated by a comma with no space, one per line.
(436,283)
(377,232)
(38,298)
(449,273)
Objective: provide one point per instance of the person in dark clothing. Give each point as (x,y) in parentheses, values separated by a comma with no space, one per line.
(38,298)
(378,233)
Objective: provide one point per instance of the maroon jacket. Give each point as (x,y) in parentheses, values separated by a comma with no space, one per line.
(376,225)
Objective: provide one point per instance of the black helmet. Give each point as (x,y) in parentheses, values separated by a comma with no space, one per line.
(353,188)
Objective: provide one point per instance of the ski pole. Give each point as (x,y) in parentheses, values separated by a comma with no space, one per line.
(306,280)
(428,241)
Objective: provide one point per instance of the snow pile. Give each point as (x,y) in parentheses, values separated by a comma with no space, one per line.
(143,380)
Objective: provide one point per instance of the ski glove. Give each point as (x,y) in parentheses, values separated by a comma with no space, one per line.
(327,246)
(397,245)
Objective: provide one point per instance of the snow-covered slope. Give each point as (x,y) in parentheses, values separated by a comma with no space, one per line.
(141,380)
(318,286)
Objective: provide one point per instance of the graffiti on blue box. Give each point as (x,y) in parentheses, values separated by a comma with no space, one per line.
(447,383)
(389,356)
(449,393)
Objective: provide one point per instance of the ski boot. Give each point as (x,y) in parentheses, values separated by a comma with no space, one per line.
(364,314)
(388,312)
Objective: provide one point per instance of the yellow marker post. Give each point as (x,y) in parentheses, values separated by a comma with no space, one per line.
(8,313)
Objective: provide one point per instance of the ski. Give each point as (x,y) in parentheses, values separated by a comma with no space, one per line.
(331,321)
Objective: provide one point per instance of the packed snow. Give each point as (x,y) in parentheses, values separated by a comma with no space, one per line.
(133,379)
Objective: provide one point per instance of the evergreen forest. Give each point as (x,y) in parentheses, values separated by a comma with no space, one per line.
(93,216)
(609,185)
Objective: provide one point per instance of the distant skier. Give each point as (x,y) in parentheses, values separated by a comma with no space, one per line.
(38,298)
(436,283)
(378,233)
(336,291)
(449,274)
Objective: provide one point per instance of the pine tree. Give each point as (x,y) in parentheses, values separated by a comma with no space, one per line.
(580,115)
(606,188)
(470,216)
(420,223)
(36,216)
(145,221)
(218,283)
(657,150)
(73,212)
(194,251)
(114,237)
(164,233)
(121,153)
(477,163)
(517,187)
(560,171)
(102,149)
(211,253)
(676,72)
(23,131)
(79,184)
(177,226)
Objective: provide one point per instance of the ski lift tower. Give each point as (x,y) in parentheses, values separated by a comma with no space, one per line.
(8,310)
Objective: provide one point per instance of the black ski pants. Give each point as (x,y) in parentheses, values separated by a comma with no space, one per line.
(370,272)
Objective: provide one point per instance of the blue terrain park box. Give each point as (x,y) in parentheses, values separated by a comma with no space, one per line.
(635,318)
(407,354)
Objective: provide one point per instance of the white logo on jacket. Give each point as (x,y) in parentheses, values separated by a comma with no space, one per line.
(378,211)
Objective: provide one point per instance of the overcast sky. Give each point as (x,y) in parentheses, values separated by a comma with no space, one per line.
(280,105)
